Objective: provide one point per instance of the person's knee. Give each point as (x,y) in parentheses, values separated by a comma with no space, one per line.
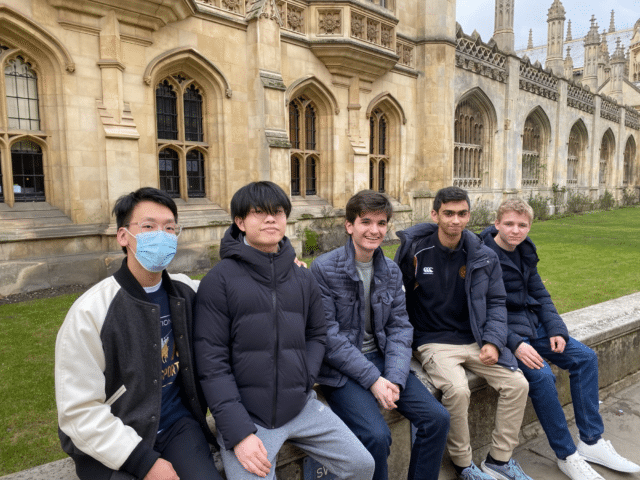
(457,395)
(377,437)
(516,387)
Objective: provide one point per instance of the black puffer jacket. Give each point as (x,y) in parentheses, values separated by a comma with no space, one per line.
(259,337)
(528,301)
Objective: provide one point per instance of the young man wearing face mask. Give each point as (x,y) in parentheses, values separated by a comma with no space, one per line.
(129,405)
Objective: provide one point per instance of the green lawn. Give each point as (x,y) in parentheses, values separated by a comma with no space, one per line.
(584,260)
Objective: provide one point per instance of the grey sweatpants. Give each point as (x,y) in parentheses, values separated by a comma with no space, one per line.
(318,432)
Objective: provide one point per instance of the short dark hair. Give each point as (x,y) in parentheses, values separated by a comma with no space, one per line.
(450,194)
(123,209)
(265,195)
(367,201)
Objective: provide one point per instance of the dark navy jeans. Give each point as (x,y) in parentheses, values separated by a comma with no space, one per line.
(358,408)
(582,364)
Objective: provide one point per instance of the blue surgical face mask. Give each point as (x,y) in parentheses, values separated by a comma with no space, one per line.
(155,250)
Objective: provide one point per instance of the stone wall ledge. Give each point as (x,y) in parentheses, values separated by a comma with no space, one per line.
(611,328)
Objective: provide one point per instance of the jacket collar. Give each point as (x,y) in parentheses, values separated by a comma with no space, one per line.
(380,267)
(262,266)
(130,284)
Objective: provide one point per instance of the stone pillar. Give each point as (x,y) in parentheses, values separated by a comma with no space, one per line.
(435,60)
(503,25)
(591,47)
(555,41)
(267,136)
(510,152)
(121,155)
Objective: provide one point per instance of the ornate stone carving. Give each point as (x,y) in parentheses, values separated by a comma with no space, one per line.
(536,80)
(232,5)
(631,118)
(386,36)
(372,31)
(609,110)
(295,19)
(477,57)
(329,22)
(580,98)
(357,25)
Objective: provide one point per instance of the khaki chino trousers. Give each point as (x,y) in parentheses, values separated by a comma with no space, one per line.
(445,366)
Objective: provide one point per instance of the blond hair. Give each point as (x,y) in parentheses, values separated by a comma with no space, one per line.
(517,205)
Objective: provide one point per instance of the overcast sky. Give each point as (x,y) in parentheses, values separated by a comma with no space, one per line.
(479,15)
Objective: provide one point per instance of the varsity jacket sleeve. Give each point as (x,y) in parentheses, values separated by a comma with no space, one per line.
(341,353)
(399,333)
(212,340)
(84,414)
(495,327)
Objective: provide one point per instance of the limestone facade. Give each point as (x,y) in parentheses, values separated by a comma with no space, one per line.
(323,97)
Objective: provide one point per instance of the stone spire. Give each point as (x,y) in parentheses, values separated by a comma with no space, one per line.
(568,65)
(503,25)
(568,39)
(604,47)
(591,48)
(612,24)
(555,34)
(530,43)
(618,62)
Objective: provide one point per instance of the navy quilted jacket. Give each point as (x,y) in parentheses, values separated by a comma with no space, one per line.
(342,293)
(528,301)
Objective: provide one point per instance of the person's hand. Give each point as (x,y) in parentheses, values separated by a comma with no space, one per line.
(557,344)
(489,354)
(529,356)
(162,470)
(386,393)
(300,263)
(252,455)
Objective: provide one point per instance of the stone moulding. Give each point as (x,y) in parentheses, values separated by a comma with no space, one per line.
(534,79)
(609,110)
(477,57)
(277,139)
(581,99)
(272,80)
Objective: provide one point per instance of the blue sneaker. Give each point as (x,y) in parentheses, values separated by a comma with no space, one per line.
(472,472)
(509,471)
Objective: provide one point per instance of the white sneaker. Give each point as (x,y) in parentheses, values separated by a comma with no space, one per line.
(603,453)
(576,468)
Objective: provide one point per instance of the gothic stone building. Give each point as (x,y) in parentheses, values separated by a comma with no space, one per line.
(323,97)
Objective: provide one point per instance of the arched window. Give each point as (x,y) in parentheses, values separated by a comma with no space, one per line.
(166,111)
(629,157)
(531,152)
(28,172)
(195,174)
(378,148)
(193,115)
(304,154)
(468,147)
(577,142)
(181,125)
(22,95)
(169,172)
(295,176)
(606,153)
